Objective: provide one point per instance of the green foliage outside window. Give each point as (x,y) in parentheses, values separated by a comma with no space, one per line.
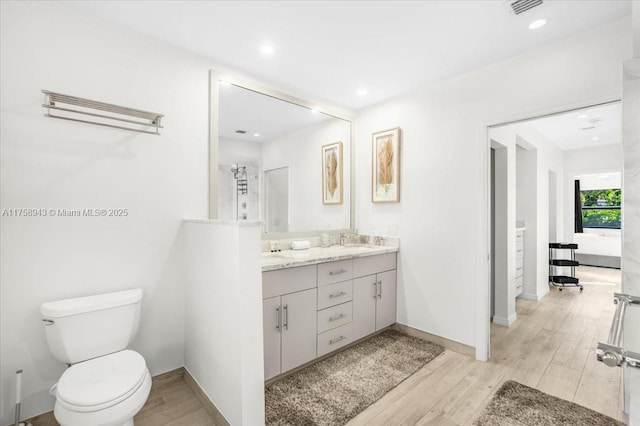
(601,208)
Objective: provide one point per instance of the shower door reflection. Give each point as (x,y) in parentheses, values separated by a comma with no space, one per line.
(238,191)
(276,210)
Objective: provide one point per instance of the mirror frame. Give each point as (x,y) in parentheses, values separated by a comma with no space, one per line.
(214,126)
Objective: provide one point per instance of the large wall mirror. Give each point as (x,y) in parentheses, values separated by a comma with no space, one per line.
(268,160)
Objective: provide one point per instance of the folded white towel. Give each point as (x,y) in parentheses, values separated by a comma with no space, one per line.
(300,245)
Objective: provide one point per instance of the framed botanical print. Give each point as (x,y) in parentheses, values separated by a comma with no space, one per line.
(385,182)
(332,173)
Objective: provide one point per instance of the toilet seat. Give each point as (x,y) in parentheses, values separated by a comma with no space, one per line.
(101,382)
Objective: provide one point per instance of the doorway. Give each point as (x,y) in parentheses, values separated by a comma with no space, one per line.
(542,155)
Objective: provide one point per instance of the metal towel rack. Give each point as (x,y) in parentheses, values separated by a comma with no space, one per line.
(612,353)
(109,113)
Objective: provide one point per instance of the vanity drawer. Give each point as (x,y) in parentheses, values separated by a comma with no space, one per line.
(334,339)
(369,265)
(519,241)
(334,272)
(519,286)
(290,280)
(334,294)
(519,266)
(334,317)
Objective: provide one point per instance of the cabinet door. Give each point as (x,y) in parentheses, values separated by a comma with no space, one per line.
(298,328)
(364,306)
(271,328)
(386,306)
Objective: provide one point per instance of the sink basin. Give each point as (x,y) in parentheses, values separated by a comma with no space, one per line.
(287,255)
(355,246)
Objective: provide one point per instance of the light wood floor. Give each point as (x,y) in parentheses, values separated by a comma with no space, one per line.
(551,347)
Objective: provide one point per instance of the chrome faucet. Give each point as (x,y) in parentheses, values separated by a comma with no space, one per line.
(344,237)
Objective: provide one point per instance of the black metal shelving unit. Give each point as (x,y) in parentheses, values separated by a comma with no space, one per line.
(562,281)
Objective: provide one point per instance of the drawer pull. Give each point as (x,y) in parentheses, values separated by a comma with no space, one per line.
(518,251)
(517,269)
(338,272)
(331,342)
(278,319)
(336,317)
(334,295)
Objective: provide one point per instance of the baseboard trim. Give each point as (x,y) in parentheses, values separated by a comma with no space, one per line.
(443,341)
(209,406)
(602,261)
(529,296)
(506,322)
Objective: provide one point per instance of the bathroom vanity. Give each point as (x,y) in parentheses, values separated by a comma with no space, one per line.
(318,300)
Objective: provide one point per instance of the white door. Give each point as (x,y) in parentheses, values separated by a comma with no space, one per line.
(364,306)
(386,307)
(298,328)
(271,328)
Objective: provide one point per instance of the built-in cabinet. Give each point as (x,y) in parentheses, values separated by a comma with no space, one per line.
(374,294)
(313,310)
(519,261)
(288,318)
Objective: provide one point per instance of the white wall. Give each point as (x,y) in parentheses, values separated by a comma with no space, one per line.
(301,151)
(442,216)
(223,318)
(47,163)
(582,164)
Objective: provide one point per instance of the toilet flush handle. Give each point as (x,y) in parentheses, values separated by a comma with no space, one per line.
(48,322)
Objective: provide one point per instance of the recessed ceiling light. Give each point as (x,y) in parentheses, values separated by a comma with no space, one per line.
(583,116)
(267,49)
(362,92)
(595,138)
(256,134)
(314,111)
(537,24)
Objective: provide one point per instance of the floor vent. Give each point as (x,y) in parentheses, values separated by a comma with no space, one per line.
(520,6)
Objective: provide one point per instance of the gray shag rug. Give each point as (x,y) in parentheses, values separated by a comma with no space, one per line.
(336,389)
(518,405)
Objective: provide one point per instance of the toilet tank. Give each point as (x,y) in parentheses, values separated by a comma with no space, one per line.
(88,327)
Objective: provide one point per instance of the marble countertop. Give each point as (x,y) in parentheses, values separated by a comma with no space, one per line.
(292,258)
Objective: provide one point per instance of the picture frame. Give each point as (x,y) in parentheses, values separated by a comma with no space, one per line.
(385,171)
(332,177)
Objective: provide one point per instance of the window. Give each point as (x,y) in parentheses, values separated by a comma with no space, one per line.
(601,208)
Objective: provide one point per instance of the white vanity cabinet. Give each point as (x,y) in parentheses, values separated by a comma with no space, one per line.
(312,310)
(374,294)
(289,318)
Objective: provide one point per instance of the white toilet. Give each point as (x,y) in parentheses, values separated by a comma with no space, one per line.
(106,384)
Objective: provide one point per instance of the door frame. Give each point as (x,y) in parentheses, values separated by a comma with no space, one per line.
(483,228)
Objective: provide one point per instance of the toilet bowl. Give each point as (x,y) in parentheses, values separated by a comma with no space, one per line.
(105,384)
(108,390)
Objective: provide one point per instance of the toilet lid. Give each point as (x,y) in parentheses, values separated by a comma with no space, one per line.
(102,382)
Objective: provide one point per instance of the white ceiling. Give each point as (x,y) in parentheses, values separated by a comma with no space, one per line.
(325,51)
(599,125)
